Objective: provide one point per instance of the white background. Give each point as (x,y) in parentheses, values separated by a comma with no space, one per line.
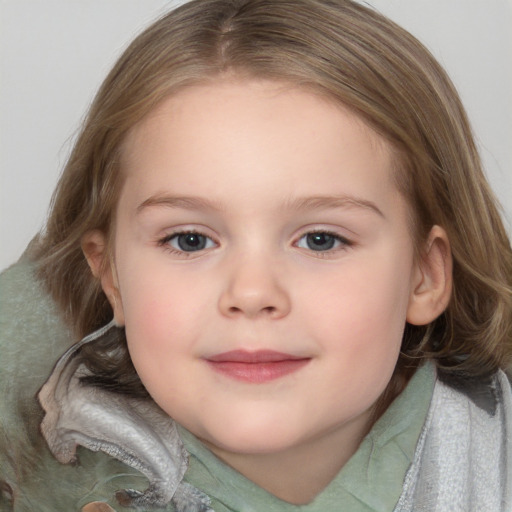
(54,54)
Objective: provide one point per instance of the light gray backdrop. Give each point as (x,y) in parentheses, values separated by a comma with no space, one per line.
(54,54)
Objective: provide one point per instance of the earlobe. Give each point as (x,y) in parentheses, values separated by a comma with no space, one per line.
(94,247)
(432,285)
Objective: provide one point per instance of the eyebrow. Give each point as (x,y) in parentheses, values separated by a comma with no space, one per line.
(298,204)
(183,202)
(325,202)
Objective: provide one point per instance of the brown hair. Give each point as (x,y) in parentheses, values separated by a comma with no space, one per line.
(351,54)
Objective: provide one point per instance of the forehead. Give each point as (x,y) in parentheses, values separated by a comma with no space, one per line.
(231,138)
(221,97)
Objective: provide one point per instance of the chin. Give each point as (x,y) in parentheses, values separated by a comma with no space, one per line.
(252,441)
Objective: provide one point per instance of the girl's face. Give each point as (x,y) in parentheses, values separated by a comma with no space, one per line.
(264,265)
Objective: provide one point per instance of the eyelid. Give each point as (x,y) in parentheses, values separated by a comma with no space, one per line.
(345,243)
(165,239)
(311,229)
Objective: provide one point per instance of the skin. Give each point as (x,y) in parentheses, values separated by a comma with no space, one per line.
(259,160)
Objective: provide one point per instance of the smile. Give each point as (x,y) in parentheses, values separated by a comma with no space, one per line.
(256,367)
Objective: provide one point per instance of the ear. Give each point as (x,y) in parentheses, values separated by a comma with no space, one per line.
(94,247)
(432,283)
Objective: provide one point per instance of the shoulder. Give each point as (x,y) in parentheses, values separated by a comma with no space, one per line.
(463,459)
(32,337)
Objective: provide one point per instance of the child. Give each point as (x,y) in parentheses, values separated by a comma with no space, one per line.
(281,206)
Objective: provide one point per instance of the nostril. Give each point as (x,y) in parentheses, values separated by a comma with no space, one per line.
(267,310)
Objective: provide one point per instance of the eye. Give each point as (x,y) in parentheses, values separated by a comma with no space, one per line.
(321,241)
(188,242)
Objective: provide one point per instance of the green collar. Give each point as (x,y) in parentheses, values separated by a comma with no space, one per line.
(370,481)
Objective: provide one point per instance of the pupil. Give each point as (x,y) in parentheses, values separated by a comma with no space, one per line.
(191,242)
(320,241)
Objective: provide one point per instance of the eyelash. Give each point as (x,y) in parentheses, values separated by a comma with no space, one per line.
(343,242)
(164,242)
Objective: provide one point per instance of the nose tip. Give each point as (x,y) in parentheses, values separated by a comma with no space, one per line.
(253,291)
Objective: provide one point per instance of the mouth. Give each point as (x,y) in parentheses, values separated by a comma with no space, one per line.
(256,367)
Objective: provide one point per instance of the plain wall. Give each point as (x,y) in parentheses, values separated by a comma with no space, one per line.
(54,54)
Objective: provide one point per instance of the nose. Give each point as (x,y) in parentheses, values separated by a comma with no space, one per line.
(253,289)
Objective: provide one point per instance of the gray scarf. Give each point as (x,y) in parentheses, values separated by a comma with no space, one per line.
(463,460)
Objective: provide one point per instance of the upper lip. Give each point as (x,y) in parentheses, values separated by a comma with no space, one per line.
(258,356)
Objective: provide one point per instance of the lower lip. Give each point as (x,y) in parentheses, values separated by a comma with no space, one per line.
(258,373)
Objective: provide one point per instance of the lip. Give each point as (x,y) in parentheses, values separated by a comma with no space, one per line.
(256,367)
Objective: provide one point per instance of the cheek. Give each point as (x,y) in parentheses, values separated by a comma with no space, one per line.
(155,294)
(164,321)
(157,310)
(360,315)
(161,331)
(359,334)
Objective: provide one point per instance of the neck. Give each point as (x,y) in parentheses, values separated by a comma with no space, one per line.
(299,473)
